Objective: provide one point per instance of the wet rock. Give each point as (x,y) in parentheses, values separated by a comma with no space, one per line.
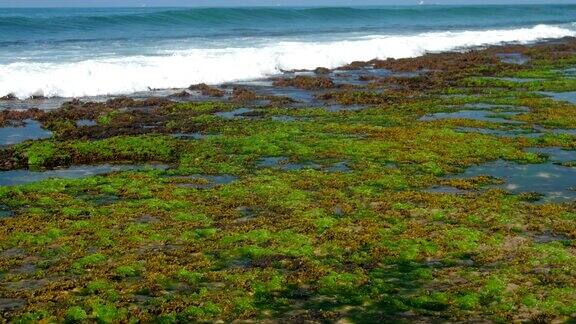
(322,70)
(207,90)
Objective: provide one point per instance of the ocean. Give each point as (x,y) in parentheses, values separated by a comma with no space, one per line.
(105,51)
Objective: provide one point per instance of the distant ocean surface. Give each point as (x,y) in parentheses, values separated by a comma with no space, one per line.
(88,52)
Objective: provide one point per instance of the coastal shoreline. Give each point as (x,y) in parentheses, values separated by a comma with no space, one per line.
(435,188)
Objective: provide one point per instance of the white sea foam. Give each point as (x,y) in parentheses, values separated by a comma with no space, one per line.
(182,68)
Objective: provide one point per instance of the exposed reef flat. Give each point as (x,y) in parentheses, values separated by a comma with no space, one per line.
(432,189)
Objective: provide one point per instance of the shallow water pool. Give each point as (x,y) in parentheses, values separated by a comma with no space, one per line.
(32,130)
(18,177)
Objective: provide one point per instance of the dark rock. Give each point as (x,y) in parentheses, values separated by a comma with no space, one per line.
(322,70)
(8,97)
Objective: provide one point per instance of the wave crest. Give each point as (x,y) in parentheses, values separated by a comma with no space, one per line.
(182,68)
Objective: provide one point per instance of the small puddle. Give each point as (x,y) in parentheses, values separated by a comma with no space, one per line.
(31,130)
(247,214)
(494,108)
(548,237)
(240,113)
(512,133)
(5,212)
(513,58)
(339,108)
(555,154)
(189,136)
(446,190)
(519,80)
(290,119)
(555,182)
(86,123)
(571,72)
(282,163)
(200,181)
(13,253)
(562,96)
(284,118)
(339,167)
(479,115)
(556,131)
(19,177)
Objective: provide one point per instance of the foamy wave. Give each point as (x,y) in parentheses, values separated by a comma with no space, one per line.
(213,66)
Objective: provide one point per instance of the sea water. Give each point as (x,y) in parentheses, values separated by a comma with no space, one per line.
(73,52)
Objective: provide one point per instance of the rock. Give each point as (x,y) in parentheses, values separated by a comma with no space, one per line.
(207,90)
(322,70)
(181,94)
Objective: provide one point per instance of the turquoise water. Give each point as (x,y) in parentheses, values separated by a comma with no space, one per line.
(86,52)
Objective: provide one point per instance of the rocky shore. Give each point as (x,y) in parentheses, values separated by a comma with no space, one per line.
(436,188)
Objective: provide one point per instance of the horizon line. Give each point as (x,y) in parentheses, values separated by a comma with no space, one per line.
(294,6)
